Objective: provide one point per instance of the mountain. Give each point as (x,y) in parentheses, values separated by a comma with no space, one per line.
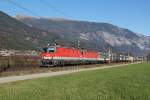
(16,35)
(25,32)
(91,35)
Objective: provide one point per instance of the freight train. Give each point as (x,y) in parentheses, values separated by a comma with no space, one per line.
(58,55)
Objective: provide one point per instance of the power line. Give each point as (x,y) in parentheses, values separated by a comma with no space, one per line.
(53,7)
(20,6)
(43,2)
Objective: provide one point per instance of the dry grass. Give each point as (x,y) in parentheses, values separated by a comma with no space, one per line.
(20,70)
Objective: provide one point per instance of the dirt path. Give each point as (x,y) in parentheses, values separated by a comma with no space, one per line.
(50,74)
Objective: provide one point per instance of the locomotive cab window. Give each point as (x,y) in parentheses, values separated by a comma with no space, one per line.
(52,49)
(49,49)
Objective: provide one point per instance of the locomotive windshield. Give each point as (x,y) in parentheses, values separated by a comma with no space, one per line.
(49,49)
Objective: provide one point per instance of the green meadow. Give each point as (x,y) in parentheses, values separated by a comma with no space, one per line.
(130,82)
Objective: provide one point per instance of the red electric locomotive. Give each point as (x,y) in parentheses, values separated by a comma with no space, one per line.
(57,55)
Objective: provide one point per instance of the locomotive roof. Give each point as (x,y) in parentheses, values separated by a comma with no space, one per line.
(73,48)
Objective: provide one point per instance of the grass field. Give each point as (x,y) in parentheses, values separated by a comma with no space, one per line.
(121,83)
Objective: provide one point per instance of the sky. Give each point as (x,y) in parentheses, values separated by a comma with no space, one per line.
(130,14)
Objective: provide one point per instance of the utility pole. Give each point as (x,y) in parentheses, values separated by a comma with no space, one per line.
(109,54)
(78,44)
(128,54)
(7,44)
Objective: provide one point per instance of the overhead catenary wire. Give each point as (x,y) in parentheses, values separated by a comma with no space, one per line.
(24,8)
(51,6)
(44,2)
